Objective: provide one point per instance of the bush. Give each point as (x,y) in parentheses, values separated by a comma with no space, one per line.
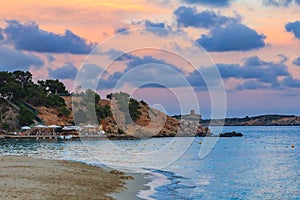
(134,107)
(103,111)
(121,132)
(5,126)
(64,111)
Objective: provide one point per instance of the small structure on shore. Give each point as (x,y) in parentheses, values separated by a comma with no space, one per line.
(57,132)
(25,128)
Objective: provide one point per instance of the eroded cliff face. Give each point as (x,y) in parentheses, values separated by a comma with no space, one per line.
(151,123)
(52,116)
(8,117)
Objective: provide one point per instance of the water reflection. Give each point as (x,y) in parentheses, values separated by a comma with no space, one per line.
(260,165)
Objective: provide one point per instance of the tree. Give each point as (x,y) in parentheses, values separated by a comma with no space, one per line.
(23,78)
(9,87)
(103,111)
(5,78)
(122,99)
(64,111)
(127,105)
(109,96)
(12,90)
(53,86)
(91,96)
(134,107)
(26,116)
(35,96)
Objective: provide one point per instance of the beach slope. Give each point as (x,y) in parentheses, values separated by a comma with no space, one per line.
(31,178)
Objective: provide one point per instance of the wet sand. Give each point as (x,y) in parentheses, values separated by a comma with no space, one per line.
(133,188)
(31,178)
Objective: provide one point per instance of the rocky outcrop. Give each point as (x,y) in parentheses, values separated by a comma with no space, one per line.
(53,116)
(151,123)
(8,117)
(231,134)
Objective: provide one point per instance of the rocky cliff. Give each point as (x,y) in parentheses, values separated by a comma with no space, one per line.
(151,122)
(52,116)
(8,117)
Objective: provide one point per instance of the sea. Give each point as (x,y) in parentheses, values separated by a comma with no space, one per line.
(263,164)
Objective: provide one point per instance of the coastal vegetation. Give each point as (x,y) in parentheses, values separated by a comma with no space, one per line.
(127,105)
(24,102)
(19,94)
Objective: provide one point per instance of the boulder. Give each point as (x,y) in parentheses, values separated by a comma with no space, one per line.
(231,134)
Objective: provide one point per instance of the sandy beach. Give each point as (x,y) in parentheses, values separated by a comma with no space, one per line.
(31,178)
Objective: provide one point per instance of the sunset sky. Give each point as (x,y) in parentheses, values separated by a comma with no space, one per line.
(254,44)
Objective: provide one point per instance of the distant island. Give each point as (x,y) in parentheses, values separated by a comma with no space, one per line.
(262,120)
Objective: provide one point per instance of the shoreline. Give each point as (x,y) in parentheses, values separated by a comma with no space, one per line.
(25,177)
(133,187)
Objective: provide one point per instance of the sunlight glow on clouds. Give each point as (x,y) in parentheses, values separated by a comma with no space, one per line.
(11,60)
(31,38)
(294,27)
(51,39)
(189,17)
(233,37)
(216,3)
(67,71)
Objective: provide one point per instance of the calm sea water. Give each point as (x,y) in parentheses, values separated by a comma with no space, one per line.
(260,165)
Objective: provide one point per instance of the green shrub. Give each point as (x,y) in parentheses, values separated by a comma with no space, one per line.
(64,111)
(5,126)
(134,107)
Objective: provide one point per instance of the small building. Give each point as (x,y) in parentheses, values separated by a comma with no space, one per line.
(192,116)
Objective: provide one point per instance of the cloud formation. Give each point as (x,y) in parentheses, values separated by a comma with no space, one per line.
(297,61)
(293,27)
(1,34)
(291,82)
(157,70)
(214,3)
(50,58)
(277,3)
(190,17)
(11,60)
(89,75)
(233,37)
(253,67)
(257,73)
(157,28)
(280,3)
(150,24)
(253,73)
(251,85)
(30,37)
(122,30)
(67,71)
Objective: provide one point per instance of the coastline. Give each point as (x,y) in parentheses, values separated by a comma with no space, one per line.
(33,178)
(133,187)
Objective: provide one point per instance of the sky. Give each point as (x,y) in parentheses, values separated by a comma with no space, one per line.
(233,57)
